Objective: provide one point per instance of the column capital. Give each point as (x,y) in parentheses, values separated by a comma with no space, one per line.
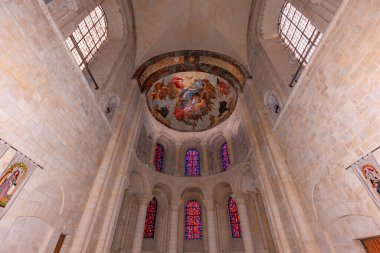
(126,183)
(146,198)
(174,205)
(155,135)
(240,198)
(208,204)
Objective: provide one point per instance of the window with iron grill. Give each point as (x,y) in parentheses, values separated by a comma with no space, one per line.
(86,40)
(298,33)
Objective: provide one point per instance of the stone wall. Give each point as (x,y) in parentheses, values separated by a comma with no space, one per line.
(326,125)
(330,123)
(49,112)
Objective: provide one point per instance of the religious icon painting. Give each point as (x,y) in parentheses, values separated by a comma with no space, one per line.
(15,169)
(367,169)
(10,181)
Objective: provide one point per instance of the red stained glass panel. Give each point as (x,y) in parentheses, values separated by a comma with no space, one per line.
(234,219)
(150,219)
(193,221)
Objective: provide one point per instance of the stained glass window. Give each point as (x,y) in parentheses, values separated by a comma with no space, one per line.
(193,222)
(298,33)
(159,157)
(192,163)
(234,218)
(150,219)
(88,37)
(225,157)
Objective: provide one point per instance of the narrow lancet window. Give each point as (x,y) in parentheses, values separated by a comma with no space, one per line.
(225,157)
(298,33)
(150,219)
(159,157)
(91,33)
(234,219)
(193,221)
(192,167)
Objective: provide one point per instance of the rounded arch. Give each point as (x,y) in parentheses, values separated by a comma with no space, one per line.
(245,181)
(192,192)
(169,153)
(186,145)
(139,183)
(222,191)
(216,145)
(165,189)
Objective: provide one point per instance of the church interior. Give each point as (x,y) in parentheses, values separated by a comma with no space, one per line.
(185,126)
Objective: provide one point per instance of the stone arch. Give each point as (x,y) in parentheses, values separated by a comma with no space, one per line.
(347,211)
(186,145)
(215,145)
(139,183)
(163,194)
(192,193)
(169,153)
(245,181)
(221,193)
(33,235)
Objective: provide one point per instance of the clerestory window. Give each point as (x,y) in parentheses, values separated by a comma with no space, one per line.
(298,33)
(86,40)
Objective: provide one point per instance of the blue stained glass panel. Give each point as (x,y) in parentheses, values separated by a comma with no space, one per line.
(159,157)
(192,167)
(225,157)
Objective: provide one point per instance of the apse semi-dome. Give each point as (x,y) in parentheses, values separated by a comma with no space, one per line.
(191,90)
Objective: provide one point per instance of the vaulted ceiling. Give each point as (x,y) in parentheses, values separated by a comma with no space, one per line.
(169,25)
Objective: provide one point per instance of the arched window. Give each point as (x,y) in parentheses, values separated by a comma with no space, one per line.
(225,157)
(192,163)
(150,219)
(234,219)
(159,157)
(298,33)
(88,37)
(193,222)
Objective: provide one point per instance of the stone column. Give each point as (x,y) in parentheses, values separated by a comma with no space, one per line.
(244,223)
(205,160)
(211,232)
(153,148)
(177,160)
(139,231)
(230,148)
(174,214)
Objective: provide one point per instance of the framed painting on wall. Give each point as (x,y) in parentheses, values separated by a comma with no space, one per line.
(15,169)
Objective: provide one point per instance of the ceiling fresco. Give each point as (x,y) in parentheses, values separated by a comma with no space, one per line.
(191,101)
(191,90)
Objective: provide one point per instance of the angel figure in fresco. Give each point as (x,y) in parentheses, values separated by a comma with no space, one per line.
(172,89)
(223,88)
